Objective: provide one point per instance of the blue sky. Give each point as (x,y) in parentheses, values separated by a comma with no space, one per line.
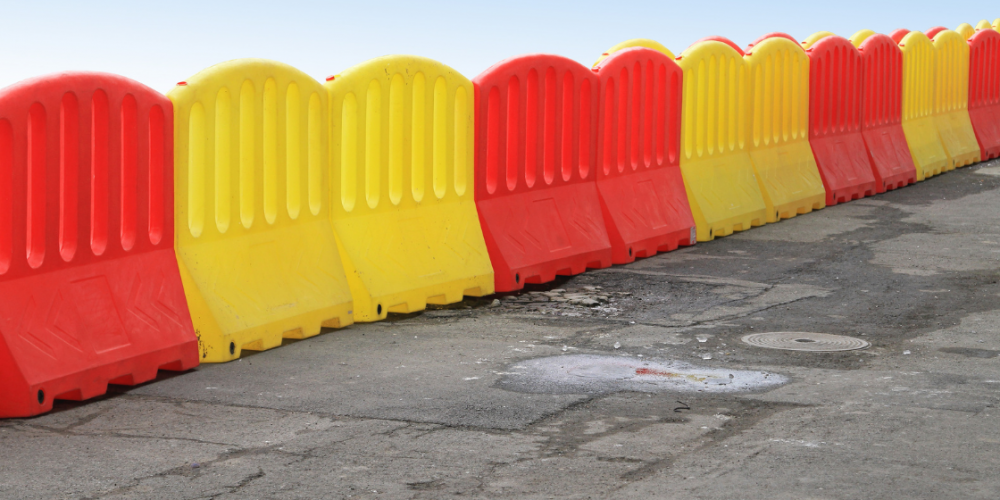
(160,43)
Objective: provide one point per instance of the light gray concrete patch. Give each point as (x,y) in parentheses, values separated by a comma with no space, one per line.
(594,374)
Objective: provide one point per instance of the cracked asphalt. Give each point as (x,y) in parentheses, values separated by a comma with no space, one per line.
(416,406)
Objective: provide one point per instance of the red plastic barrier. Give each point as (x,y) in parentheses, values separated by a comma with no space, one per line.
(882,113)
(90,292)
(835,120)
(639,179)
(897,35)
(536,156)
(984,90)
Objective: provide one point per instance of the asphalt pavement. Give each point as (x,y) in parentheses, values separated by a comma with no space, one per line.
(627,382)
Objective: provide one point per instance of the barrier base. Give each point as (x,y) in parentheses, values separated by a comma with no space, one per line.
(958,138)
(724,195)
(844,167)
(929,157)
(69,333)
(251,291)
(986,125)
(892,164)
(401,260)
(535,235)
(646,212)
(789,179)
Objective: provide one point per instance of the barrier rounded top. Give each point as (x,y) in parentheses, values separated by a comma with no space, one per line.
(860,36)
(931,33)
(947,36)
(815,37)
(914,38)
(966,30)
(246,68)
(984,25)
(524,61)
(395,59)
(898,35)
(715,38)
(635,42)
(830,42)
(773,43)
(874,40)
(774,34)
(71,79)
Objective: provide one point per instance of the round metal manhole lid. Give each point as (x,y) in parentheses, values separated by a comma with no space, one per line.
(805,341)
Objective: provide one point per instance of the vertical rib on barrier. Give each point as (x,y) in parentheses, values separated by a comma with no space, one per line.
(638,175)
(636,42)
(402,176)
(257,255)
(779,139)
(718,174)
(90,289)
(881,111)
(984,91)
(951,99)
(536,156)
(835,83)
(919,67)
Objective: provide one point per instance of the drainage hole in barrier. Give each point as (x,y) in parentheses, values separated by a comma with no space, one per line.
(379,309)
(232,348)
(629,252)
(517,277)
(41,397)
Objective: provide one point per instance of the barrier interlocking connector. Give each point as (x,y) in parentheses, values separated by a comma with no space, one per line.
(90,285)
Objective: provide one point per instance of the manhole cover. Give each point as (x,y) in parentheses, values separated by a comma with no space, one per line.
(805,341)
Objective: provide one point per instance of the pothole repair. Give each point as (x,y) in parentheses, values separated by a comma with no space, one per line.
(589,374)
(805,341)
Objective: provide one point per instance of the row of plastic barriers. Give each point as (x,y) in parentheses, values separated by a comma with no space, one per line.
(141,232)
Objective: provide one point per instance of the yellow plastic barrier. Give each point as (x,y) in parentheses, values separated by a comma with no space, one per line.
(402,153)
(257,255)
(636,42)
(984,25)
(996,24)
(860,36)
(815,37)
(779,129)
(966,30)
(929,156)
(718,175)
(951,99)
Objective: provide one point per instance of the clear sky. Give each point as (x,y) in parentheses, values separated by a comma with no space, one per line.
(161,43)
